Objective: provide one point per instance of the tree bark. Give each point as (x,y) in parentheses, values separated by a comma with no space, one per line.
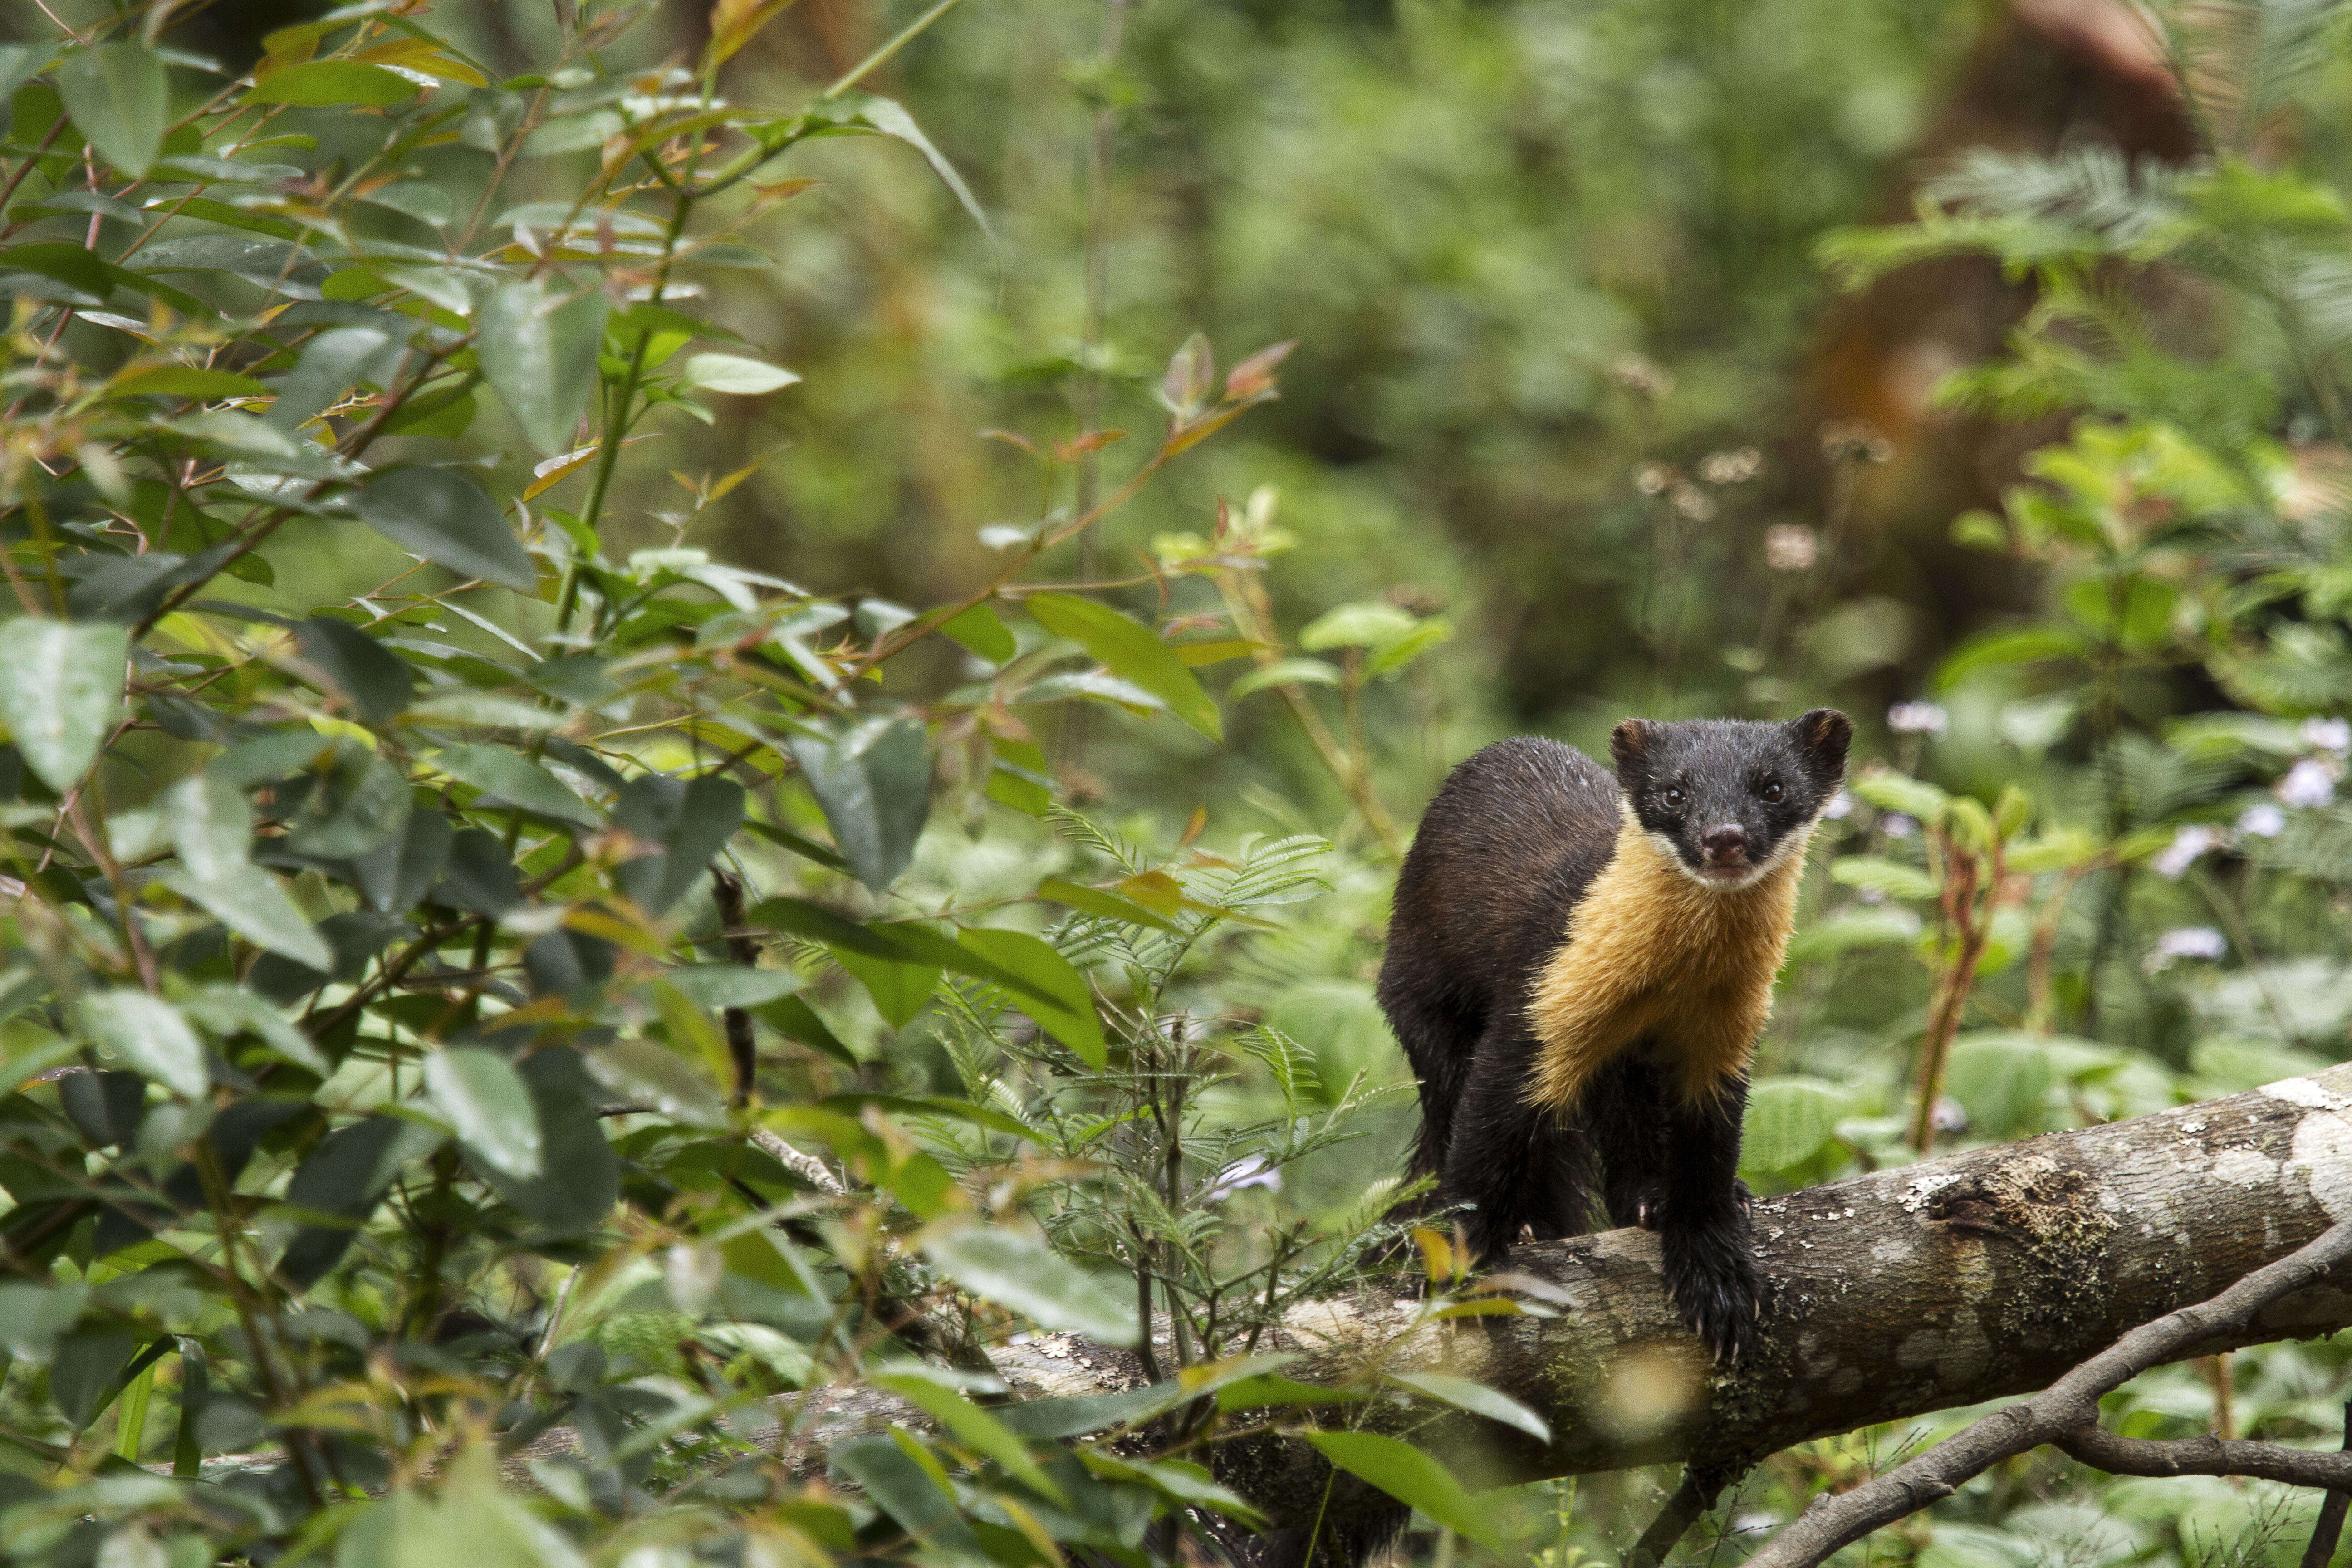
(1982,1274)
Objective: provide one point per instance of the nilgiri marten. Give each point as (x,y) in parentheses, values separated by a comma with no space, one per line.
(1578,967)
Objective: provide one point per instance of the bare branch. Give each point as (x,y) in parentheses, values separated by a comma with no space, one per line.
(2103,1450)
(2065,1409)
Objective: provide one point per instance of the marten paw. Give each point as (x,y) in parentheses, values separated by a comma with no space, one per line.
(1713,1279)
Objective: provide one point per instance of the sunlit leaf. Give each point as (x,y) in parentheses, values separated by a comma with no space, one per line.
(63,692)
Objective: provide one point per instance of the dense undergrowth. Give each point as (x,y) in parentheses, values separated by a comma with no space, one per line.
(489,947)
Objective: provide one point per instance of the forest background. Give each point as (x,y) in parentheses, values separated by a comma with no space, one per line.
(1978,368)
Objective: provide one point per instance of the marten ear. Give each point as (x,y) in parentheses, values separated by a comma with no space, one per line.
(1822,737)
(1629,747)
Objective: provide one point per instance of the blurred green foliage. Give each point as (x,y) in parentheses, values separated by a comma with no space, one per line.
(631,805)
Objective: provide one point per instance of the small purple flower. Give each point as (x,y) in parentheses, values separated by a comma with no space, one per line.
(1898,824)
(1253,1172)
(2187,847)
(2187,942)
(1840,807)
(2332,735)
(1918,718)
(2310,783)
(1950,1116)
(2261,820)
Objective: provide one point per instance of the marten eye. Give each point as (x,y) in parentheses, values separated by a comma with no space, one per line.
(1771,792)
(1672,799)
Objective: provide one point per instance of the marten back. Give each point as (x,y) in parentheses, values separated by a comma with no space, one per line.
(1505,852)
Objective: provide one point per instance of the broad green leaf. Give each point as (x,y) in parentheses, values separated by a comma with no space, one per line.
(974,1428)
(644,1072)
(1268,1391)
(1108,905)
(229,1010)
(1132,651)
(321,84)
(537,339)
(1409,1476)
(150,1035)
(333,364)
(1890,791)
(370,681)
(874,781)
(1370,623)
(184,381)
(1476,1398)
(504,775)
(1018,1269)
(119,97)
(1285,672)
(734,373)
(63,692)
(898,990)
(978,629)
(1073,1020)
(446,517)
(2002,1078)
(1874,874)
(580,1179)
(212,827)
(1432,633)
(691,821)
(1789,1118)
(482,1097)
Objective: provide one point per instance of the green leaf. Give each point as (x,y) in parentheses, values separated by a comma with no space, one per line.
(63,692)
(1033,959)
(185,381)
(481,1096)
(978,629)
(1432,633)
(119,97)
(374,683)
(1016,1268)
(1788,1119)
(874,781)
(212,827)
(1409,1476)
(1874,874)
(1890,791)
(1096,902)
(537,339)
(1476,1398)
(509,777)
(893,120)
(1132,651)
(1370,623)
(150,1035)
(899,990)
(227,1010)
(580,1180)
(644,1072)
(1268,1391)
(1285,672)
(974,1428)
(445,518)
(732,374)
(321,84)
(690,819)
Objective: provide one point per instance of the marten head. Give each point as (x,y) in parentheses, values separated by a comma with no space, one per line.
(1726,800)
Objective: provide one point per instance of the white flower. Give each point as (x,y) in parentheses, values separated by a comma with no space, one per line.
(1791,547)
(1253,1172)
(1917,719)
(2328,735)
(2261,821)
(1840,807)
(1731,467)
(2187,846)
(1898,824)
(2310,782)
(2188,942)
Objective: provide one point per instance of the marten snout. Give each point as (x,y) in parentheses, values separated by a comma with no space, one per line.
(1725,846)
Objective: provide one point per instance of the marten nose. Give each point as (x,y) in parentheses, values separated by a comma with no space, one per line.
(1725,843)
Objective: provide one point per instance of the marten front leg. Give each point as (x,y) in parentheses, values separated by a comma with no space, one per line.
(1702,1225)
(1517,1166)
